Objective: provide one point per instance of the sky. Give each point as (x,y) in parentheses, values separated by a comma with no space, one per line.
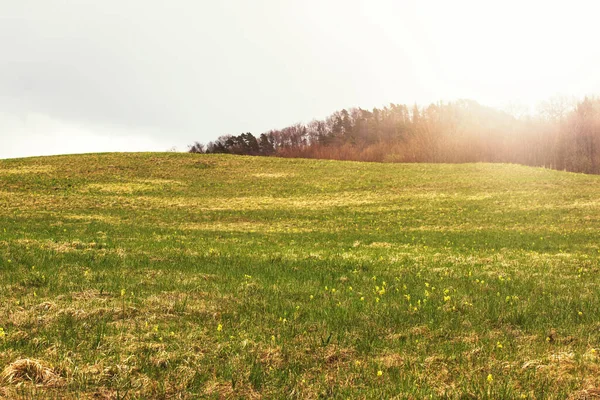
(82,76)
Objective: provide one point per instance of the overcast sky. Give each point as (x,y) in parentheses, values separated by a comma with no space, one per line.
(136,75)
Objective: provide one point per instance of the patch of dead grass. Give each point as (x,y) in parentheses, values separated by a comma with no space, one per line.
(338,355)
(120,188)
(391,360)
(246,226)
(68,247)
(92,217)
(30,370)
(225,390)
(29,169)
(586,394)
(273,175)
(271,356)
(257,203)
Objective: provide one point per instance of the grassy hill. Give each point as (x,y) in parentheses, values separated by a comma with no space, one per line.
(183,276)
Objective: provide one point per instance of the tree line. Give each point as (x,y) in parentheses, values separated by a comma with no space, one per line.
(563,135)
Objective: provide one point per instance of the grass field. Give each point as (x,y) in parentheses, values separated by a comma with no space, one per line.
(184,276)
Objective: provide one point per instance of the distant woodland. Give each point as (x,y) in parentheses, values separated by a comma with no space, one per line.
(563,135)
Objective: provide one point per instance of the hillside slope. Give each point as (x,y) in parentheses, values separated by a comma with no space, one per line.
(150,275)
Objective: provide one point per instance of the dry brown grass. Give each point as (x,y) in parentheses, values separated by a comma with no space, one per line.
(273,175)
(30,370)
(31,169)
(587,394)
(118,187)
(224,390)
(68,246)
(391,360)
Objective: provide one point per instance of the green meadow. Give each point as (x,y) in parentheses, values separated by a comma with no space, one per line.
(181,276)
